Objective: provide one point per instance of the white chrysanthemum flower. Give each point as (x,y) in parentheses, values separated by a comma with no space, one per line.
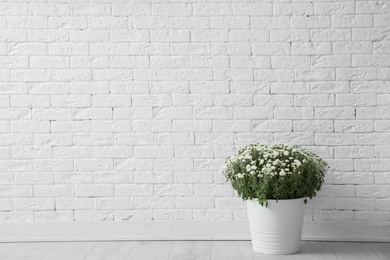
(254,167)
(297,162)
(248,156)
(282,173)
(286,153)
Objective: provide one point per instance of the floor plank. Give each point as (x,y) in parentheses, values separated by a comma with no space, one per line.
(151,250)
(36,257)
(353,251)
(315,251)
(112,248)
(257,256)
(70,250)
(381,249)
(189,257)
(105,257)
(32,249)
(6,247)
(231,250)
(191,248)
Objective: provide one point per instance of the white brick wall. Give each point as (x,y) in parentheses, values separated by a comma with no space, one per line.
(125,111)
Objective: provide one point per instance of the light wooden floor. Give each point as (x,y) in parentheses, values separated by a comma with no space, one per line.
(186,250)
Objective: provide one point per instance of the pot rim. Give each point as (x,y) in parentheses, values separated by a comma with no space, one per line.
(255,200)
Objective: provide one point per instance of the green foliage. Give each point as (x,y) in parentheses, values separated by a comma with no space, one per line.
(275,172)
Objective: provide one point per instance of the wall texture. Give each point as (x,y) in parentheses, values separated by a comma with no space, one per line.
(125,111)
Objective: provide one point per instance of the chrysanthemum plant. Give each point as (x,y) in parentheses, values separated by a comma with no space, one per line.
(276,172)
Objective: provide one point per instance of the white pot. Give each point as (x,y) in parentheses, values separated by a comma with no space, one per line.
(277,228)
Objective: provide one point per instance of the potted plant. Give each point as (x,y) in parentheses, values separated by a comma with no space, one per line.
(276,181)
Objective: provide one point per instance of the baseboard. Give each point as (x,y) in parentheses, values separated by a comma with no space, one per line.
(183,230)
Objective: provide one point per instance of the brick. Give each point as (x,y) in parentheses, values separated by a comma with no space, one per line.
(354,152)
(30,152)
(274,75)
(353,126)
(114,203)
(354,100)
(334,8)
(68,23)
(297,9)
(330,87)
(230,48)
(49,191)
(310,22)
(368,7)
(332,112)
(153,152)
(255,35)
(154,203)
(90,10)
(351,21)
(166,190)
(112,49)
(170,36)
(184,164)
(93,164)
(293,113)
(353,177)
(133,164)
(72,152)
(275,49)
(30,101)
(121,9)
(55,9)
(258,9)
(312,126)
(328,61)
(372,164)
(48,36)
(192,100)
(355,47)
(68,49)
(273,100)
(355,203)
(291,35)
(45,165)
(317,100)
(174,138)
(156,22)
(270,22)
(35,204)
(124,36)
(194,202)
